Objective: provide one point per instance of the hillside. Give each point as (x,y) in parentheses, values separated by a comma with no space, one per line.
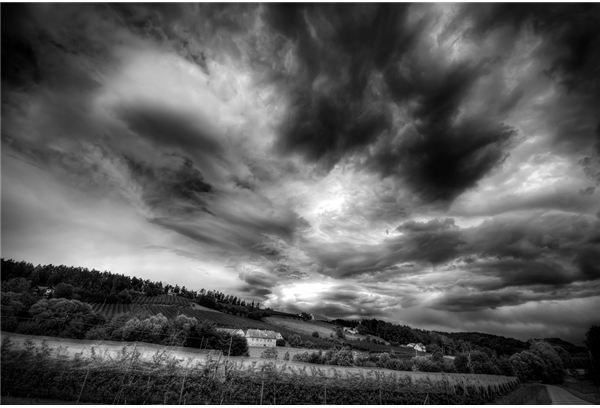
(113,294)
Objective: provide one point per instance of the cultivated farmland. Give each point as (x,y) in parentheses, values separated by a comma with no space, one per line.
(162,300)
(125,377)
(324,329)
(171,311)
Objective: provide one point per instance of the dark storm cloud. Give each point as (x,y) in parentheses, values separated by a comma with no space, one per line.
(481,300)
(572,27)
(331,310)
(570,54)
(255,291)
(440,155)
(331,112)
(429,243)
(517,272)
(544,250)
(534,236)
(258,279)
(170,129)
(22,66)
(339,108)
(163,187)
(478,301)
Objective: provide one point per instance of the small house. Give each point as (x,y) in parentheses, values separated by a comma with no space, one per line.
(417,347)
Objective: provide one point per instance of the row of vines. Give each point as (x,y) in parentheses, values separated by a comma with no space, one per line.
(161,300)
(111,310)
(33,372)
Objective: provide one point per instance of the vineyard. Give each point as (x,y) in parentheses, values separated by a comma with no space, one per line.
(127,379)
(171,311)
(162,300)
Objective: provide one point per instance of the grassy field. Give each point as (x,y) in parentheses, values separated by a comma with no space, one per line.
(325,330)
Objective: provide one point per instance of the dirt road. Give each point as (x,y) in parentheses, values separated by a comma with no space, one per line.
(561,396)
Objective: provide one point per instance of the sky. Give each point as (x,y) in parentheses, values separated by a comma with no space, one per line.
(435,165)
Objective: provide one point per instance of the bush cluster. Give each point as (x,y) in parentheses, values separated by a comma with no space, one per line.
(540,363)
(74,319)
(339,357)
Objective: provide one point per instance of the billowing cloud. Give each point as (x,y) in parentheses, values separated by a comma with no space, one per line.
(430,164)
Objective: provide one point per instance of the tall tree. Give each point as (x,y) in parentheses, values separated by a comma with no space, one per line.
(592,341)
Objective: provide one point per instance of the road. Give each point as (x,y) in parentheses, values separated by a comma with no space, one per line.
(560,396)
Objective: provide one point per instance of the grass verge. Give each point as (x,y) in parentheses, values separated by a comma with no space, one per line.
(583,388)
(526,394)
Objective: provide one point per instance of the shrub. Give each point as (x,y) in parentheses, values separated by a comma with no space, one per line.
(269,353)
(342,357)
(421,363)
(280,343)
(481,364)
(592,341)
(315,334)
(504,366)
(540,363)
(234,345)
(461,363)
(383,359)
(61,317)
(553,367)
(17,285)
(63,290)
(437,356)
(286,356)
(527,366)
(399,364)
(98,333)
(447,366)
(295,340)
(12,308)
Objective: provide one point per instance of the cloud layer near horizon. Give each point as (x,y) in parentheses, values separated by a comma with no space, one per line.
(431,164)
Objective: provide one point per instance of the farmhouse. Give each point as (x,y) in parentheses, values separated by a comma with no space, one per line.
(350,331)
(417,346)
(261,338)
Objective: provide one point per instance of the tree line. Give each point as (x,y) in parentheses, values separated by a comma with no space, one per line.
(93,286)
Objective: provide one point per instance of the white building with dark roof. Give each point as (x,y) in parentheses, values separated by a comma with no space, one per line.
(261,338)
